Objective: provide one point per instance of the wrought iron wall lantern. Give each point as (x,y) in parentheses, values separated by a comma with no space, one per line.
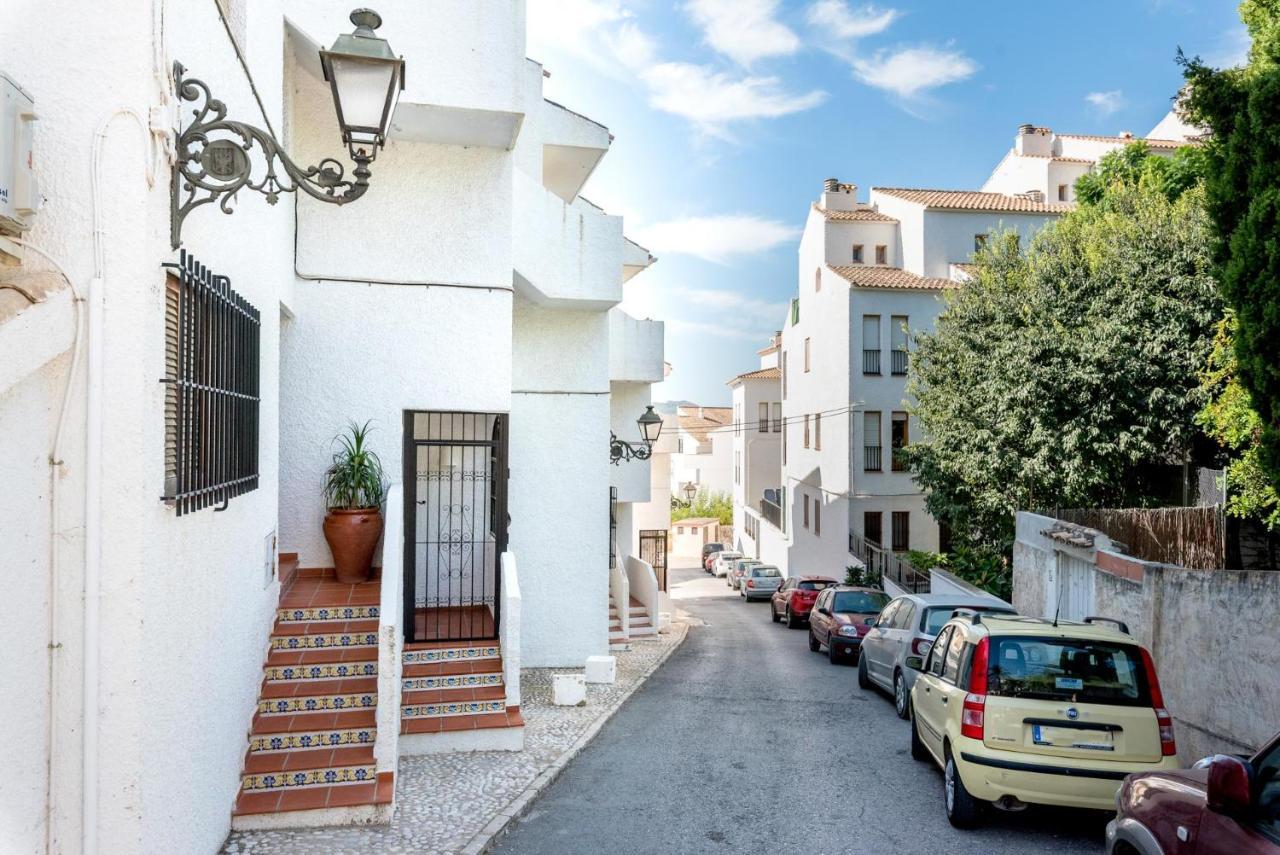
(213,161)
(690,491)
(650,424)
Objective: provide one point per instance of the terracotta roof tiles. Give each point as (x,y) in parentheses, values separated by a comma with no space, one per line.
(761,374)
(974,200)
(888,277)
(861,215)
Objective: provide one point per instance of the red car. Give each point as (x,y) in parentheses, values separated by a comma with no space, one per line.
(839,620)
(795,597)
(1224,806)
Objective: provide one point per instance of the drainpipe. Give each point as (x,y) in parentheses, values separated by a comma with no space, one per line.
(92,568)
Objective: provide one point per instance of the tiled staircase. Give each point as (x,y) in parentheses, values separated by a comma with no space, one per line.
(311,742)
(639,623)
(455,689)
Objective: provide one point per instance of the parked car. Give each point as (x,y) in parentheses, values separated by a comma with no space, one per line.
(734,577)
(795,598)
(1019,710)
(760,582)
(907,627)
(723,561)
(839,620)
(709,551)
(1224,806)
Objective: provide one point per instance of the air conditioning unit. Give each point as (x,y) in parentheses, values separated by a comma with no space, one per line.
(19,191)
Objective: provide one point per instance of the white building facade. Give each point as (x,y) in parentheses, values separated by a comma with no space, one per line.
(704,449)
(757,445)
(466,306)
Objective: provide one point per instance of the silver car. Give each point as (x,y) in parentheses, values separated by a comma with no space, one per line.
(760,582)
(739,569)
(906,627)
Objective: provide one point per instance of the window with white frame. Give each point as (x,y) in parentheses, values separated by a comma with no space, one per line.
(777,417)
(762,425)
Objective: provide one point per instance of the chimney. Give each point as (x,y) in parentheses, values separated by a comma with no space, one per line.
(1032,141)
(837,196)
(1033,195)
(1126,135)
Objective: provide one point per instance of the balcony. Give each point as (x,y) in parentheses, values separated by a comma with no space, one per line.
(898,362)
(870,362)
(772,514)
(871,458)
(572,147)
(635,349)
(565,254)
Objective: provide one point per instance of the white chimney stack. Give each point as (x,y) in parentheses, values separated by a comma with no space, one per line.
(837,196)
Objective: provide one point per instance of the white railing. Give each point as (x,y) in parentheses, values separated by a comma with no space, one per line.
(643,583)
(509,629)
(386,745)
(620,592)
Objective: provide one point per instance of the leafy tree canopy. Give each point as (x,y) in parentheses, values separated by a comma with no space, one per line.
(1055,372)
(706,504)
(1241,108)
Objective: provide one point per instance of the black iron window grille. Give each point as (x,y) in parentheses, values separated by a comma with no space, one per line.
(212,349)
(871,458)
(900,359)
(871,361)
(613,527)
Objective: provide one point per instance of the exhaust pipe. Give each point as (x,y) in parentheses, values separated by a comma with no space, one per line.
(1010,804)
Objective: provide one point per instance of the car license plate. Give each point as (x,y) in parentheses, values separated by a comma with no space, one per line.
(1070,737)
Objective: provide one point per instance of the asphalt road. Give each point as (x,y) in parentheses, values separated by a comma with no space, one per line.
(744,741)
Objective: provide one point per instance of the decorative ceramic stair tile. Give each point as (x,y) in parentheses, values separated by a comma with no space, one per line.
(452,708)
(423,656)
(311,742)
(327,613)
(449,688)
(451,681)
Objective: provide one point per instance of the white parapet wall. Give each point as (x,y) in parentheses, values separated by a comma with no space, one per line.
(509,629)
(620,592)
(386,748)
(644,586)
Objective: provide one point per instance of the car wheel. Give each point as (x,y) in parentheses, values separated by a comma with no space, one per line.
(773,612)
(963,810)
(900,700)
(832,656)
(792,621)
(813,642)
(918,751)
(864,679)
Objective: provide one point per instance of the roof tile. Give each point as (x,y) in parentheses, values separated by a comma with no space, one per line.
(889,277)
(974,200)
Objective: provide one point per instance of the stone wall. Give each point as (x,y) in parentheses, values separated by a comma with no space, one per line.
(1211,633)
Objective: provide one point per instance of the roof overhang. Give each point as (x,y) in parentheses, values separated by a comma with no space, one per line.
(635,259)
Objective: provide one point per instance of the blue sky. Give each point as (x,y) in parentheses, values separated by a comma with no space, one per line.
(728,114)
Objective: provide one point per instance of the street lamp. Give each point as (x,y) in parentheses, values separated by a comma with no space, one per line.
(690,491)
(213,162)
(650,424)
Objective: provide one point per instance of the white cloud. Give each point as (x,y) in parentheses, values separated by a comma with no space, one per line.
(1107,102)
(573,26)
(1231,49)
(743,30)
(908,72)
(716,238)
(836,18)
(712,99)
(737,303)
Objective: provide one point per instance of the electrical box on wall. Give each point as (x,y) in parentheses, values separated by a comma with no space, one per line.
(19,191)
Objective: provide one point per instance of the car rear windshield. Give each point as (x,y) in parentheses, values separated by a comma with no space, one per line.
(860,602)
(814,586)
(933,619)
(714,547)
(771,572)
(1066,669)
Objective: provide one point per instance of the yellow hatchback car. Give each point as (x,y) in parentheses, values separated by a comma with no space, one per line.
(1020,711)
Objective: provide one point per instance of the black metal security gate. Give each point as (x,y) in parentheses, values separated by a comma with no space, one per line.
(653,550)
(455,518)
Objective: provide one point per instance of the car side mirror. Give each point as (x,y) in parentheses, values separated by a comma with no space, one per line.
(1229,787)
(915,663)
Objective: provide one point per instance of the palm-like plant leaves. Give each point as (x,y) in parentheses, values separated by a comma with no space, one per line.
(355,478)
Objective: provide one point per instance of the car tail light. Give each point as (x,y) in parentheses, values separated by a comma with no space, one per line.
(973,716)
(751,583)
(1168,746)
(920,647)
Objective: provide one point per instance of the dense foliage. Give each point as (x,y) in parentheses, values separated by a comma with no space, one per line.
(1241,108)
(1057,371)
(718,505)
(1230,419)
(979,567)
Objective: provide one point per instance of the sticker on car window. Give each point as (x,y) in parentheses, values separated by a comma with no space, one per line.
(1069,683)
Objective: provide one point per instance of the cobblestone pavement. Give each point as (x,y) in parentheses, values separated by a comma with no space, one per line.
(444,800)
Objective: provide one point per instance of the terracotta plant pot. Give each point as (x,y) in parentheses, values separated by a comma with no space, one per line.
(353,536)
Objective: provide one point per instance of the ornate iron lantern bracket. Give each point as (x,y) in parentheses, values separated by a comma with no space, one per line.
(213,162)
(621,451)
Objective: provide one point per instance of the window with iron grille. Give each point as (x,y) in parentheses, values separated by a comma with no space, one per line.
(898,439)
(872,527)
(901,531)
(898,330)
(212,349)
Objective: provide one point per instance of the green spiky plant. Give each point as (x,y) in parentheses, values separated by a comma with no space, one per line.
(355,479)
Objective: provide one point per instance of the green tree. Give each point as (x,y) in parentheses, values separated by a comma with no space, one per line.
(718,505)
(1241,109)
(1054,373)
(1230,419)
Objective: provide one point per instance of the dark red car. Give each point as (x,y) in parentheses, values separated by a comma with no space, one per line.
(839,618)
(709,551)
(1225,806)
(795,597)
